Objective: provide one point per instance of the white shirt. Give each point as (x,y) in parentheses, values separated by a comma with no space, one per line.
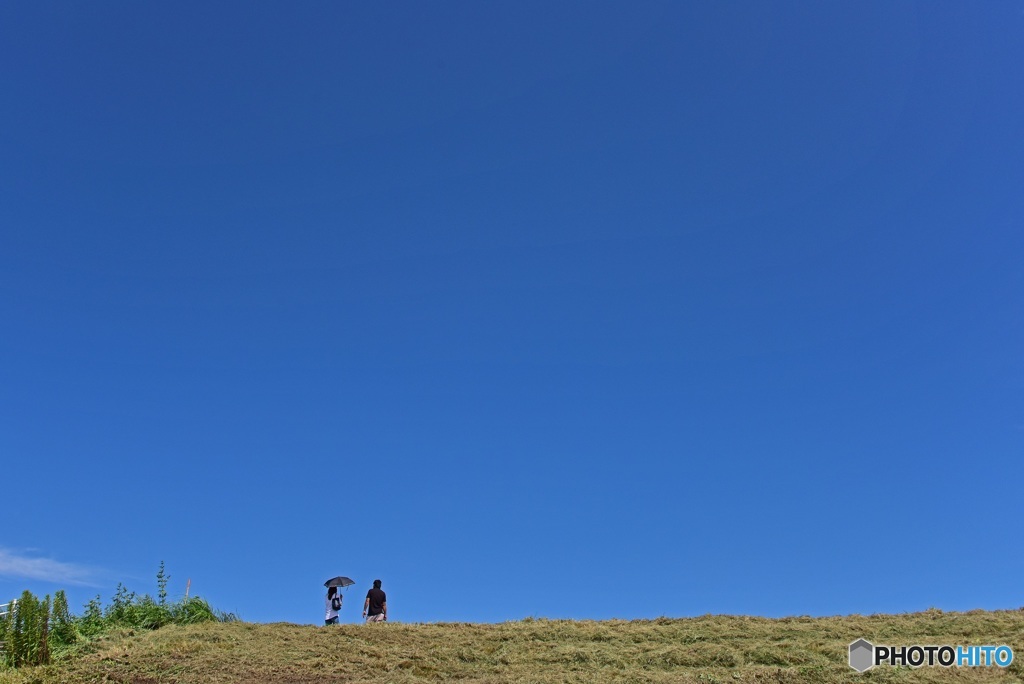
(331,613)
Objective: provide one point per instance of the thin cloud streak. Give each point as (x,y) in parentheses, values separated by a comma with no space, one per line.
(19,565)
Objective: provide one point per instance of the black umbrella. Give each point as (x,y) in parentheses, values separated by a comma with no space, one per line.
(338,582)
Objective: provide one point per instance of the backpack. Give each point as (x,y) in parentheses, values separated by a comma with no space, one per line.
(336,603)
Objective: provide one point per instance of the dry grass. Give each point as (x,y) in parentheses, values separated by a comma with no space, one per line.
(704,649)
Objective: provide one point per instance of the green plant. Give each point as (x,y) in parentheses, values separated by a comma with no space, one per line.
(26,632)
(129,609)
(190,611)
(63,631)
(5,621)
(91,622)
(161,583)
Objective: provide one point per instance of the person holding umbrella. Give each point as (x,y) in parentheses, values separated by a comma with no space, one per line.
(333,601)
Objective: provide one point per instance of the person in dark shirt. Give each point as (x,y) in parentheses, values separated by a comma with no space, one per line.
(375,607)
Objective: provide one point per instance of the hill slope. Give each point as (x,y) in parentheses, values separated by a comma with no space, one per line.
(704,649)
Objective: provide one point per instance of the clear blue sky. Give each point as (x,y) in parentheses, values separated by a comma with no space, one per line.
(573,309)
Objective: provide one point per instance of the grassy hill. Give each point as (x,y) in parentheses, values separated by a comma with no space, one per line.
(703,649)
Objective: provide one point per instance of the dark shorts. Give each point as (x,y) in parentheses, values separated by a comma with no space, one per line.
(332,621)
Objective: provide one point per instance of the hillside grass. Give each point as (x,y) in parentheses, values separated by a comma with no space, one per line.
(702,649)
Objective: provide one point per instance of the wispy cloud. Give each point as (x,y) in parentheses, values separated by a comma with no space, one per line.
(24,565)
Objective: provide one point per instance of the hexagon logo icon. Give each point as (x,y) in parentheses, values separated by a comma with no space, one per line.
(862,655)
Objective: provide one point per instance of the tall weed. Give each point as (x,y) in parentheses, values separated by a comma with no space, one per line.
(25,632)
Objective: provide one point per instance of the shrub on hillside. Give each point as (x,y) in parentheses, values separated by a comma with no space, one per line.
(25,632)
(32,627)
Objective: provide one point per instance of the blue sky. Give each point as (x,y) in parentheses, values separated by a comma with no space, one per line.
(579,310)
